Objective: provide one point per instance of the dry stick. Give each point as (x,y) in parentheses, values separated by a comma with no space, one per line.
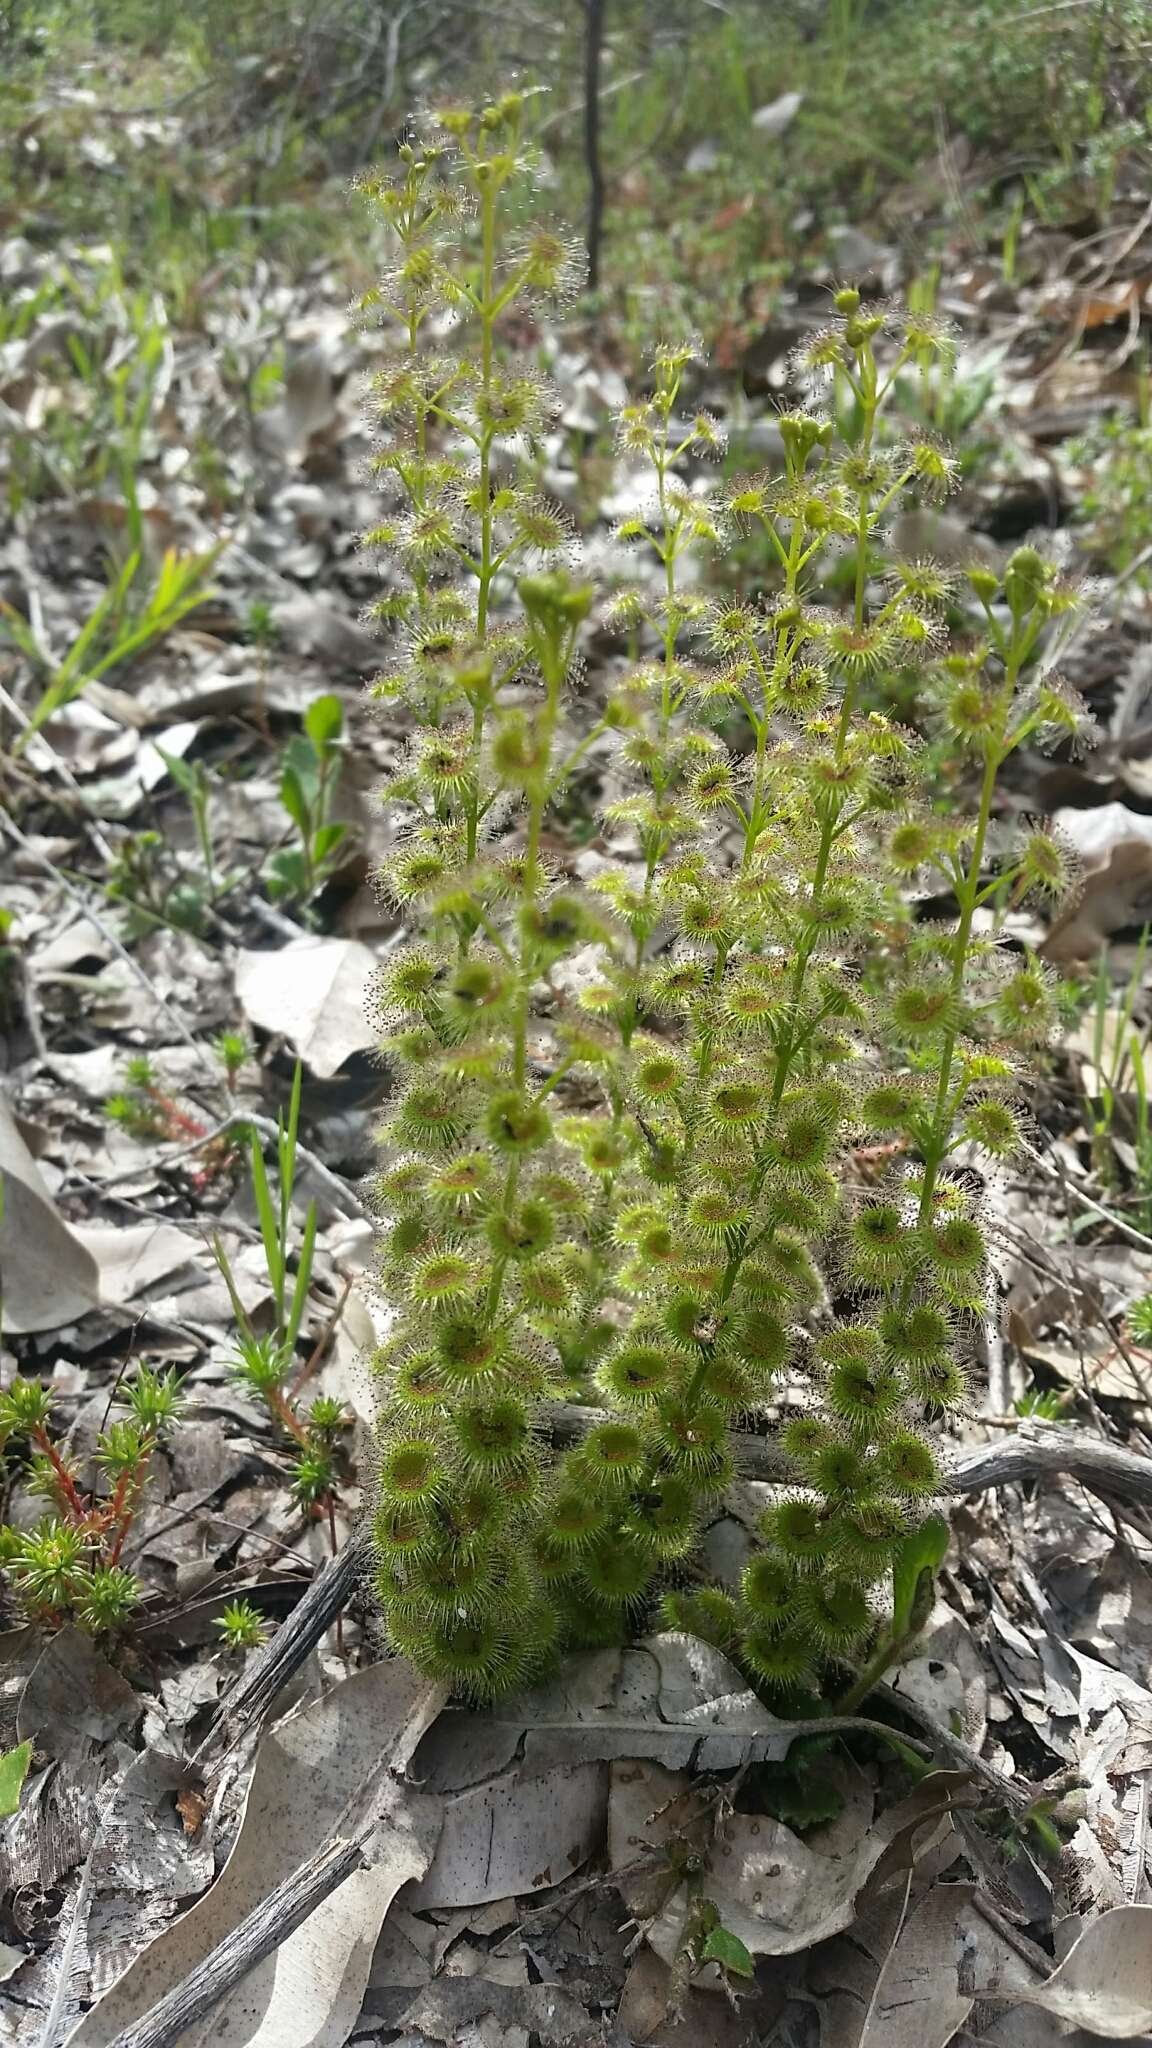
(277,1916)
(62,769)
(343,1197)
(1036,1450)
(282,1655)
(1071,1186)
(1049,1450)
(383,1800)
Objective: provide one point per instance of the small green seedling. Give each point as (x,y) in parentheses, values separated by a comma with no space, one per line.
(242,1626)
(232,1050)
(156,889)
(194,782)
(308,777)
(265,1361)
(114,631)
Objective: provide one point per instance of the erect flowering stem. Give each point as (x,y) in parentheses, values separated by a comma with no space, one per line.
(285,1413)
(833,806)
(831,812)
(122,1507)
(487,321)
(938,1143)
(555,617)
(653,1238)
(969,897)
(64,1480)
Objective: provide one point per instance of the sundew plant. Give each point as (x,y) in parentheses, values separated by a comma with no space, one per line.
(629,1225)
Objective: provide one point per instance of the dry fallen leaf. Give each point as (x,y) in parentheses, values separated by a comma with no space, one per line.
(1115,845)
(308,1992)
(776,1893)
(134,1259)
(49,1277)
(778,114)
(670,1698)
(313,993)
(1103,1985)
(514,1834)
(915,2002)
(74,1696)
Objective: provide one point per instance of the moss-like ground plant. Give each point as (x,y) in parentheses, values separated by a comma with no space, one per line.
(68,1565)
(621,1171)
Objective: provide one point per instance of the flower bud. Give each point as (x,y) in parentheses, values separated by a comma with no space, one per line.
(800,433)
(555,600)
(1024,579)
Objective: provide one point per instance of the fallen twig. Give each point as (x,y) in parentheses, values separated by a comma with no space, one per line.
(283,1653)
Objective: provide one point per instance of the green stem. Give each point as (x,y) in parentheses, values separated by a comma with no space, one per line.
(941,1118)
(786,1052)
(486,569)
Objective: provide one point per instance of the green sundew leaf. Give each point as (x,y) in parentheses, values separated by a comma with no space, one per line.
(914,1568)
(287,1148)
(238,1308)
(727,1949)
(303,1276)
(267,1219)
(324,721)
(13,1771)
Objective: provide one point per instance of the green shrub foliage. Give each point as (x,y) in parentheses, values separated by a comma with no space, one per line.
(684,1139)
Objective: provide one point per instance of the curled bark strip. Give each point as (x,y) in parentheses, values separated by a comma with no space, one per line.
(1036,1450)
(1049,1450)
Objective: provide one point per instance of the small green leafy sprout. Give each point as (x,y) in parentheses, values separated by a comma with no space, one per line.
(242,1626)
(1046,1404)
(646,1220)
(1140,1319)
(715,1943)
(124,621)
(194,782)
(232,1050)
(157,891)
(308,777)
(265,1361)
